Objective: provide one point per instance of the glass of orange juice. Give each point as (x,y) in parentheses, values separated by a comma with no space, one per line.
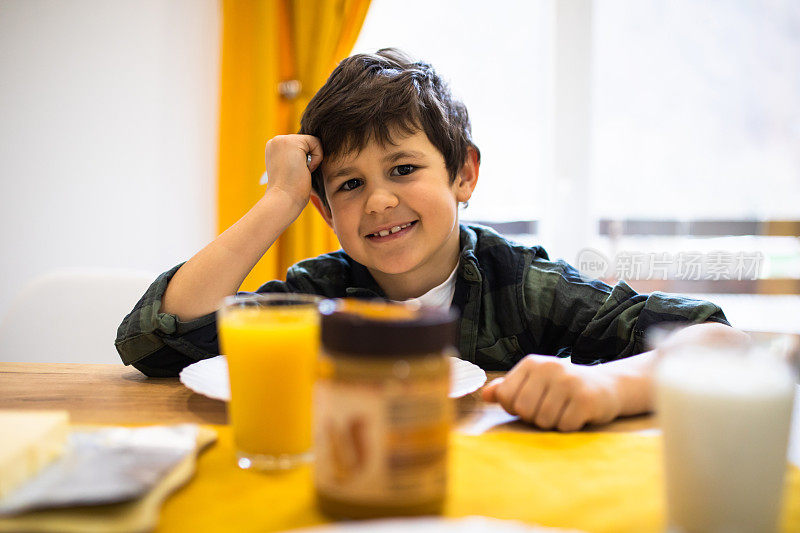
(271,342)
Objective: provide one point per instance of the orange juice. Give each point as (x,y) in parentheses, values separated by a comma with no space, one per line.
(272,358)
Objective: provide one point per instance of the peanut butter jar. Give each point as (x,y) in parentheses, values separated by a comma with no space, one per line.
(382,412)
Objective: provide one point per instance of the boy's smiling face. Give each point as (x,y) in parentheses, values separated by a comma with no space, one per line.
(395,211)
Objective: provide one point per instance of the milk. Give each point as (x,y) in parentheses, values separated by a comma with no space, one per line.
(725,417)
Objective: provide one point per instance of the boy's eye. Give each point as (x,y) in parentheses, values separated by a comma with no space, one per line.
(403,170)
(350,184)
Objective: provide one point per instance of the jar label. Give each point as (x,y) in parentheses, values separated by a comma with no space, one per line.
(381,444)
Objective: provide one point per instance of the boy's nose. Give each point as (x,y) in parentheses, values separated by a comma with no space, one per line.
(380,199)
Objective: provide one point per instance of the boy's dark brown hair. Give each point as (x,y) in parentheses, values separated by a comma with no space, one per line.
(369,94)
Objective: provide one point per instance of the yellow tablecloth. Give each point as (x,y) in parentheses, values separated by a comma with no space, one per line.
(596,482)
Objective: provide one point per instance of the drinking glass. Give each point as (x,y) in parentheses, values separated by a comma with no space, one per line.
(725,412)
(271,342)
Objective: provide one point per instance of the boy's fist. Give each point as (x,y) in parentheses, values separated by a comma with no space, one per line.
(553,393)
(289,168)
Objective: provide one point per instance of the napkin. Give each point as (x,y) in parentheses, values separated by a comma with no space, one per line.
(109,479)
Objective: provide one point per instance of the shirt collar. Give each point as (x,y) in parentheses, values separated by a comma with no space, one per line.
(468,265)
(439,296)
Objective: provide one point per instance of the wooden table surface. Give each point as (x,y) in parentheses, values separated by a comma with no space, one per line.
(104,394)
(116,394)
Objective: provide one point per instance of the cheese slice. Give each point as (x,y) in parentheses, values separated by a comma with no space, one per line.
(29,440)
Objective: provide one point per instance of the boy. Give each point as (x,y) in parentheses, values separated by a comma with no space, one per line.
(386,156)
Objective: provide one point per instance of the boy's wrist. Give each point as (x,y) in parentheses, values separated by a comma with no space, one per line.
(280,205)
(633,383)
(282,201)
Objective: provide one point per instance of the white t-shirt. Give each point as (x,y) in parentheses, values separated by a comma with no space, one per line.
(439,296)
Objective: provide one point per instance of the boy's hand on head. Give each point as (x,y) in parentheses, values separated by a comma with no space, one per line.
(553,393)
(288,168)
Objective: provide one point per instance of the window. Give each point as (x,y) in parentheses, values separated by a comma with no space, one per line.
(696,109)
(652,127)
(695,128)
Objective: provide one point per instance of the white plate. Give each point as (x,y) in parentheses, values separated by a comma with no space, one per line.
(209,377)
(470,524)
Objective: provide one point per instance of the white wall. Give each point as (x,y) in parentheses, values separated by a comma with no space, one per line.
(108,134)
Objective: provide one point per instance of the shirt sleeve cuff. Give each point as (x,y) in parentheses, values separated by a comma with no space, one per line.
(142,332)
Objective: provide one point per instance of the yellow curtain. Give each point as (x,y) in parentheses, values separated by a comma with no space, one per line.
(265,44)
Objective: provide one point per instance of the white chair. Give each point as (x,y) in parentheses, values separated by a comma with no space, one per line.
(70,316)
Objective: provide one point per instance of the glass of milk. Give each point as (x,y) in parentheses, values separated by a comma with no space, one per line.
(725,414)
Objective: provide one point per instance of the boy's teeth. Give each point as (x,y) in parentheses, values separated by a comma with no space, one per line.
(385,232)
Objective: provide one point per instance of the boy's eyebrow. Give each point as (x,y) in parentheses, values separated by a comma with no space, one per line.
(388,158)
(341,172)
(402,154)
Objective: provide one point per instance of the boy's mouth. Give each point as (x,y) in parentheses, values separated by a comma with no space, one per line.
(392,232)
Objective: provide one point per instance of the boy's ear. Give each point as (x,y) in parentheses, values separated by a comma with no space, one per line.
(468,176)
(323,209)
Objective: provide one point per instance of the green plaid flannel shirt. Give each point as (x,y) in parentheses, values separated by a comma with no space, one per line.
(513,301)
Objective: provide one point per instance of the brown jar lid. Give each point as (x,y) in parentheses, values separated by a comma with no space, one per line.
(377,328)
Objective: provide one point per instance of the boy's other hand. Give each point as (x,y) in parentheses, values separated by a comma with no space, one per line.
(553,393)
(288,167)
